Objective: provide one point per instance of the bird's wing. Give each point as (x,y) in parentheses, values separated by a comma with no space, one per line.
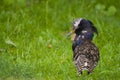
(86,56)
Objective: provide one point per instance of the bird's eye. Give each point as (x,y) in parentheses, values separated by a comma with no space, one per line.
(75,23)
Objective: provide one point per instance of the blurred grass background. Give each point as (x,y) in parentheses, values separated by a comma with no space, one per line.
(33,42)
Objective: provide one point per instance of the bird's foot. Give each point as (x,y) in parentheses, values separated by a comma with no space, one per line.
(79,73)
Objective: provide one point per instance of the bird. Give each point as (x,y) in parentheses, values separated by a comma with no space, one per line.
(85,52)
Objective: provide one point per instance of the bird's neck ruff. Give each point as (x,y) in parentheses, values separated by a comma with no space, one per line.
(84,35)
(82,38)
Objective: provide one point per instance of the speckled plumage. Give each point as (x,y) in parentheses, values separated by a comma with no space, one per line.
(85,53)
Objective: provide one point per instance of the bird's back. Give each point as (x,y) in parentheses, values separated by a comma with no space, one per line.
(86,56)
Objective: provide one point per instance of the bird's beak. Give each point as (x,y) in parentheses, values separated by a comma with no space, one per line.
(71,32)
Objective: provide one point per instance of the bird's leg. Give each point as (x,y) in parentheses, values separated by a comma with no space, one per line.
(79,73)
(90,71)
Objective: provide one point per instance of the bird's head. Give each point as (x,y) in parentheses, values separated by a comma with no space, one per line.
(81,24)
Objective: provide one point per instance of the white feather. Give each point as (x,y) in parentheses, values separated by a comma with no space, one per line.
(77,22)
(85,64)
(84,31)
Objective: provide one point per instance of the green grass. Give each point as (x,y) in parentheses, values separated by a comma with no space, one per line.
(34,46)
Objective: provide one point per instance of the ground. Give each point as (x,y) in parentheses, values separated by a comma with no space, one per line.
(34,43)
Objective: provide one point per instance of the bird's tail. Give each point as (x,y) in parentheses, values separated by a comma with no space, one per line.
(82,63)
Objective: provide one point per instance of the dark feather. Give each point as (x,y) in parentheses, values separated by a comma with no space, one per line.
(93,27)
